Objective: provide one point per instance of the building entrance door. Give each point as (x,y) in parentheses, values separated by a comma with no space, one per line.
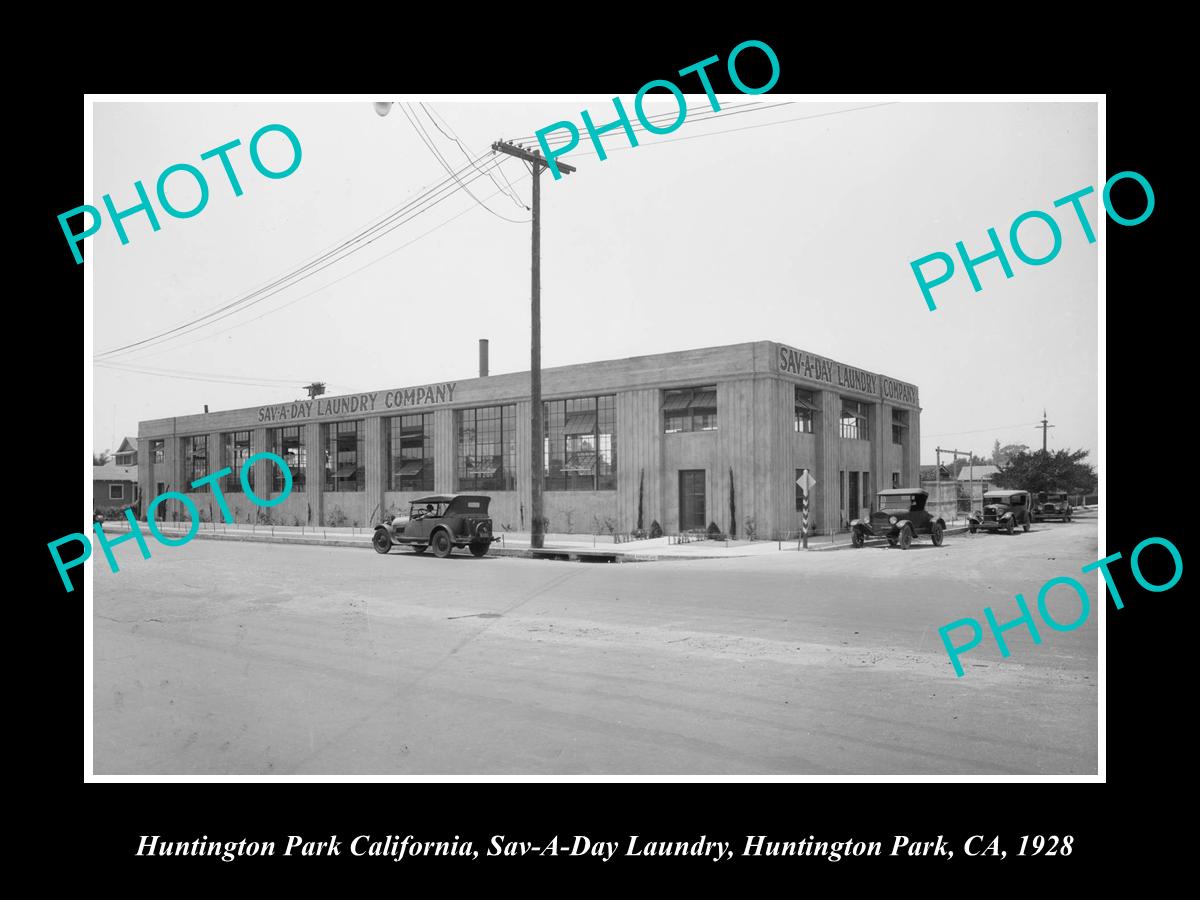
(692,511)
(852,511)
(161,512)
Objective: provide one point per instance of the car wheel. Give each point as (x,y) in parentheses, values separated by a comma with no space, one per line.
(441,544)
(905,538)
(936,532)
(856,538)
(419,548)
(382,542)
(973,528)
(478,548)
(1008,528)
(1025,527)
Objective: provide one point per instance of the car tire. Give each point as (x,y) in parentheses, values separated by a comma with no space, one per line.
(936,534)
(382,541)
(419,548)
(478,548)
(1025,527)
(856,538)
(972,528)
(905,538)
(1008,528)
(441,544)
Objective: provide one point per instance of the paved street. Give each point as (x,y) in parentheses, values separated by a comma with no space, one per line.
(232,658)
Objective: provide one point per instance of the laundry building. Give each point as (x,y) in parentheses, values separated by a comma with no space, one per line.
(687,439)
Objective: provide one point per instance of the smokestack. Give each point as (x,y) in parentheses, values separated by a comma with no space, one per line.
(483,357)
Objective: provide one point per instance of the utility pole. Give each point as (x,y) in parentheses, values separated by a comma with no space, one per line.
(1045,427)
(537,164)
(315,389)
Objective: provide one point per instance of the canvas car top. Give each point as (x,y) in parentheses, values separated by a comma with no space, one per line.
(903,492)
(1000,495)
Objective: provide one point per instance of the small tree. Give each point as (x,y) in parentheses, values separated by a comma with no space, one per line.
(732,507)
(1002,456)
(641,490)
(1062,470)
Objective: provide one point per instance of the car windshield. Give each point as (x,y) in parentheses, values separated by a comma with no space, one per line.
(427,509)
(905,502)
(991,499)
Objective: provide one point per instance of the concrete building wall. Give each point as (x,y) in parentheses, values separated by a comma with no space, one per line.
(753,455)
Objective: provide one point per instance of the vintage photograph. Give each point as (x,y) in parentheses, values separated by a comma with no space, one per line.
(665,435)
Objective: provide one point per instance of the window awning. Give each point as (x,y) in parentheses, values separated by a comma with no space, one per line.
(677,401)
(804,404)
(483,470)
(411,467)
(852,414)
(704,400)
(580,423)
(347,470)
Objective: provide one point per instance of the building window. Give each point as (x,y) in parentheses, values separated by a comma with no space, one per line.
(895,479)
(866,491)
(237,451)
(855,419)
(690,409)
(487,448)
(806,406)
(899,425)
(116,492)
(195,461)
(157,451)
(579,447)
(410,452)
(343,442)
(288,444)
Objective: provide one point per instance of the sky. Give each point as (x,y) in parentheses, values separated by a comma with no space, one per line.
(797,225)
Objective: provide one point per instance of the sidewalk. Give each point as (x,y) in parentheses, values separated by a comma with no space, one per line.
(514,543)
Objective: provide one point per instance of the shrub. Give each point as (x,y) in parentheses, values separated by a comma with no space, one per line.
(655,529)
(751,532)
(714,533)
(335,518)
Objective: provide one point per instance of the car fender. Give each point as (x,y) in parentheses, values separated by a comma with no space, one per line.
(1007,515)
(941,522)
(900,523)
(385,528)
(976,519)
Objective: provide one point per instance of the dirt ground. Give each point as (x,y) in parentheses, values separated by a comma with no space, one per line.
(230,658)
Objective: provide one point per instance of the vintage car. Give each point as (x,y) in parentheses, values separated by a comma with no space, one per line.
(1052,505)
(1003,511)
(441,521)
(900,517)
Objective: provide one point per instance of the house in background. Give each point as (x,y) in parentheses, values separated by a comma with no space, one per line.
(126,454)
(115,484)
(975,481)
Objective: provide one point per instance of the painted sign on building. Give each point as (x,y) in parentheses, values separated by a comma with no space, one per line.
(375,401)
(899,391)
(818,368)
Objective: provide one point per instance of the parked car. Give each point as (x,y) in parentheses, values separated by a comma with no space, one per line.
(1052,505)
(900,517)
(1003,511)
(440,521)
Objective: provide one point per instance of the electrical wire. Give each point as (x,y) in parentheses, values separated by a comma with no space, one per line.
(214,380)
(229,310)
(429,113)
(360,235)
(329,284)
(428,141)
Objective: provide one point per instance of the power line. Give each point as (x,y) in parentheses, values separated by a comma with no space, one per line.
(214,380)
(692,137)
(428,141)
(980,430)
(399,211)
(694,114)
(429,112)
(157,370)
(229,310)
(329,284)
